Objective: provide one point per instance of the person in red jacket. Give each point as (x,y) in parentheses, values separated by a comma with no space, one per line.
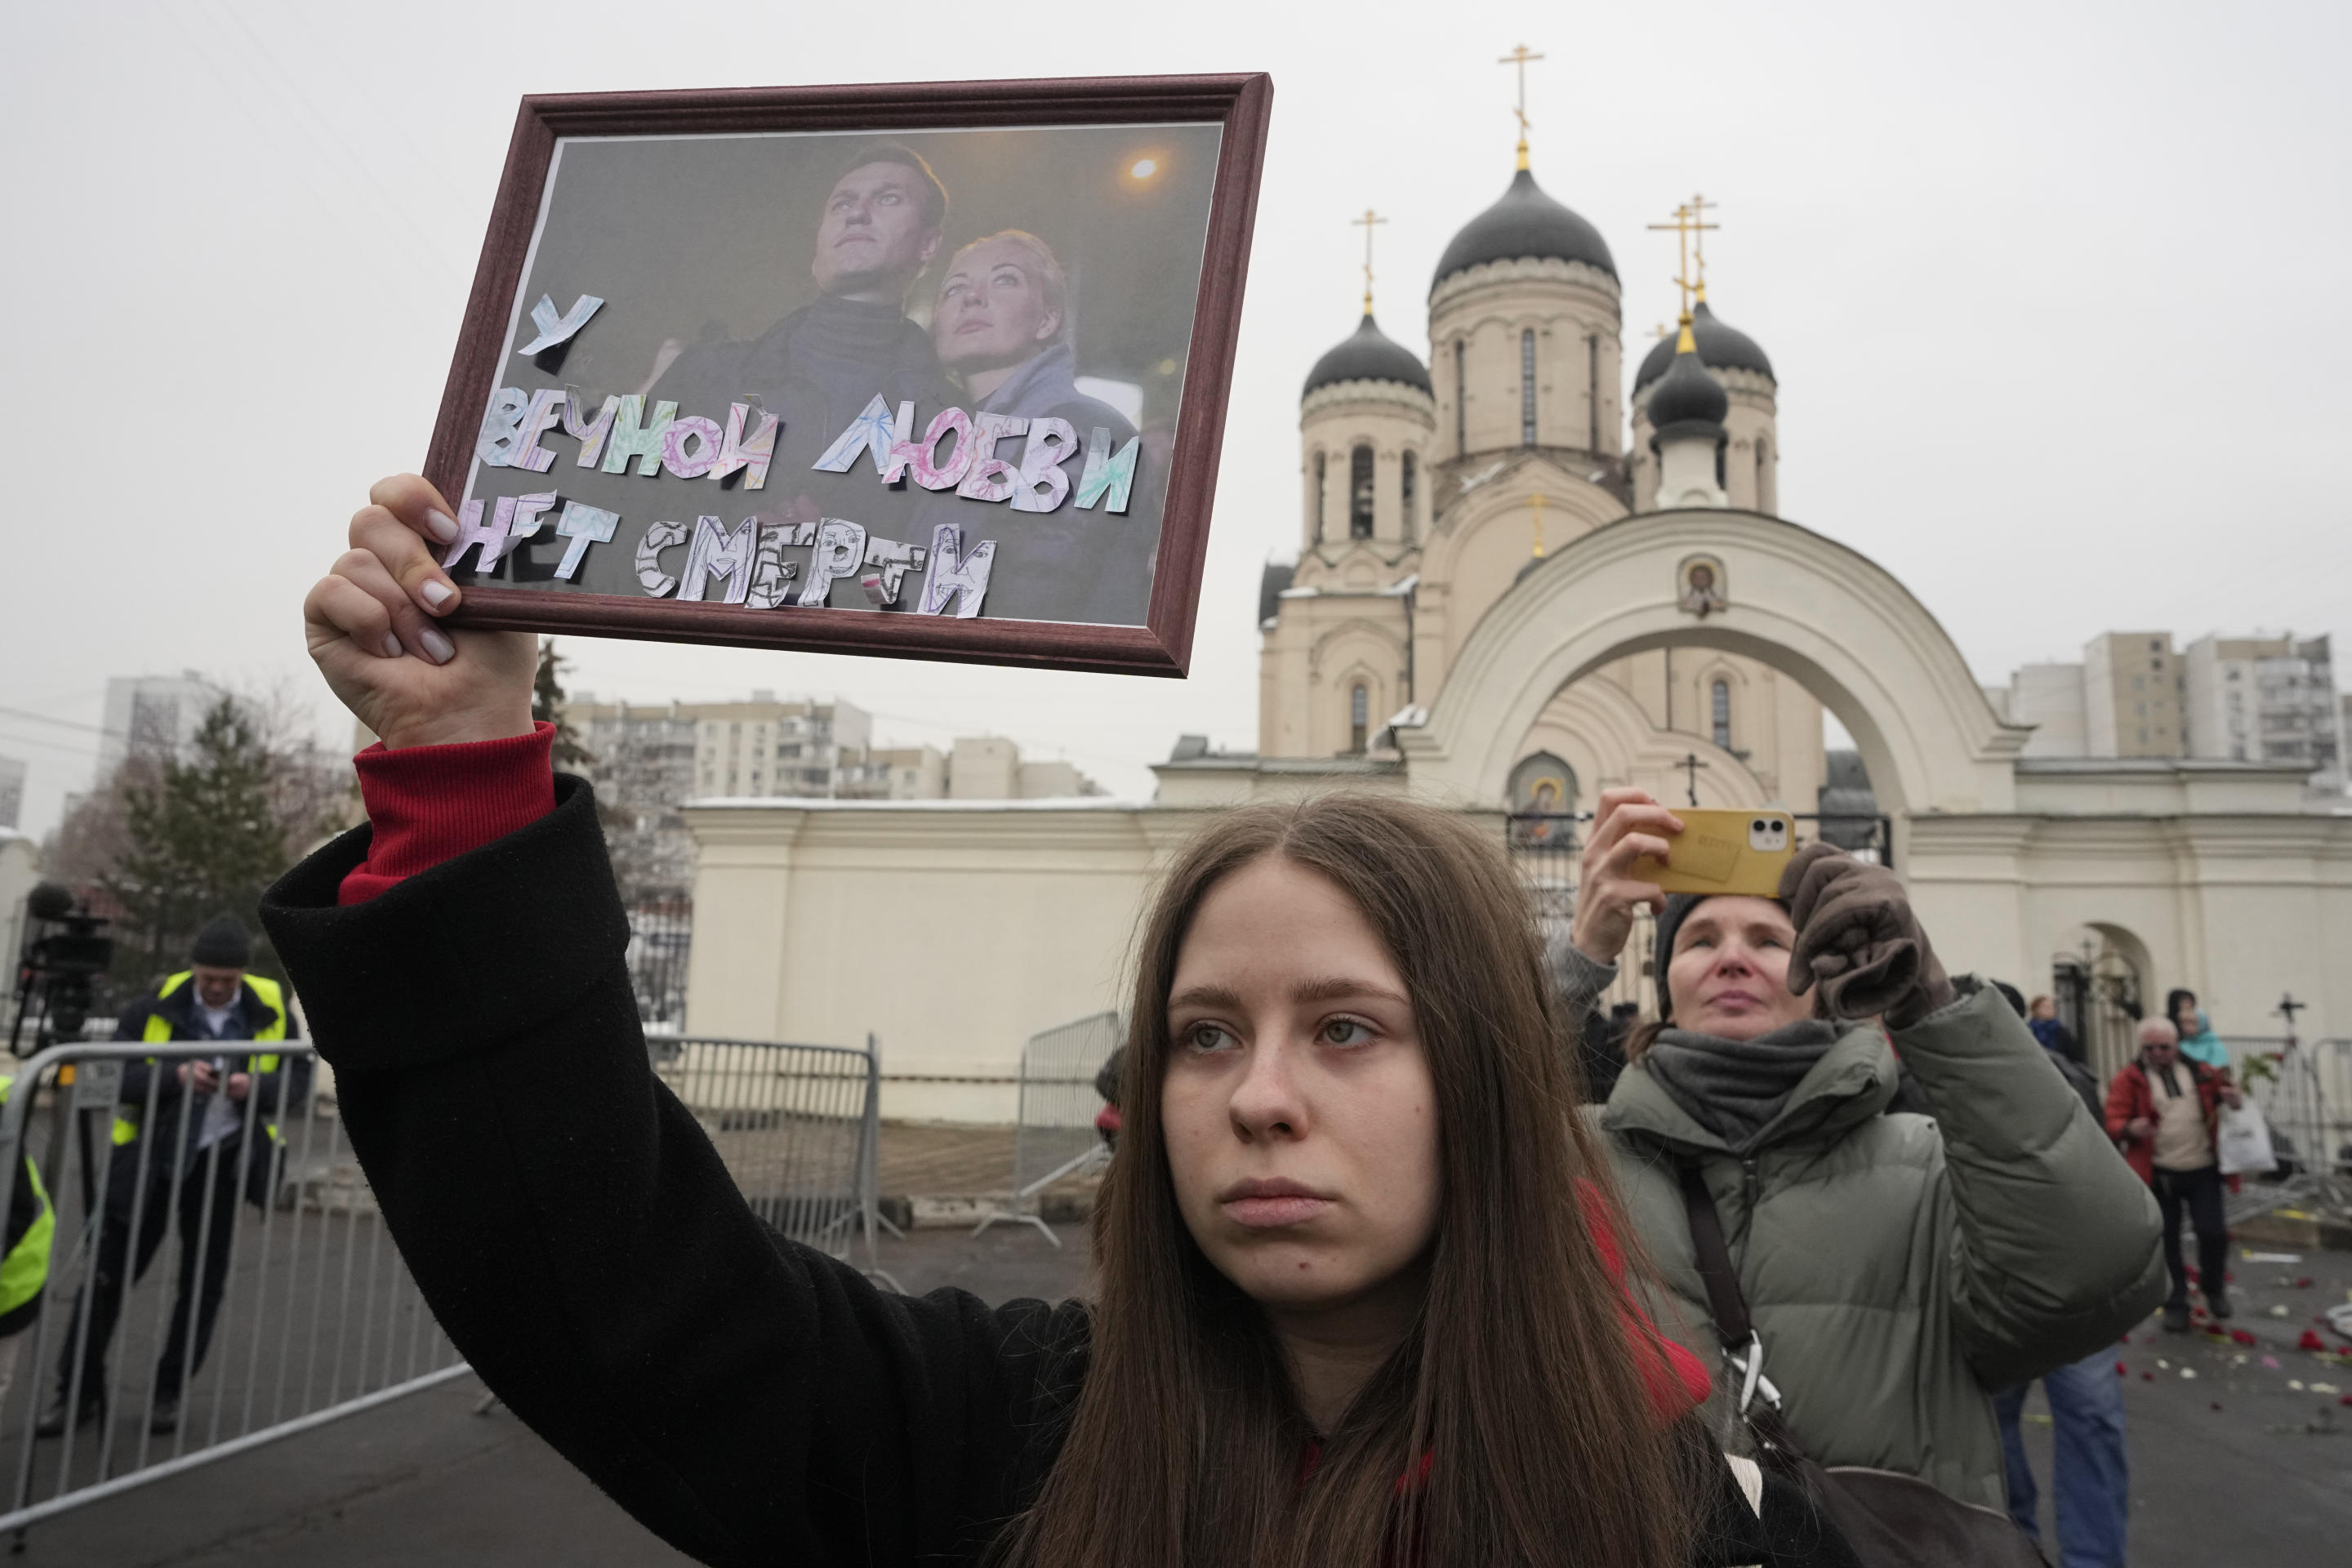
(2164,1111)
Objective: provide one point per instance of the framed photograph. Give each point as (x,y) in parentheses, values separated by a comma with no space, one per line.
(930,371)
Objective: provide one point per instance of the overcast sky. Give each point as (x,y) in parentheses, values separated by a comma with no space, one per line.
(2055,294)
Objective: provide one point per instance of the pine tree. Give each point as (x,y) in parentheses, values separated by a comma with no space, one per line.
(204,836)
(547,707)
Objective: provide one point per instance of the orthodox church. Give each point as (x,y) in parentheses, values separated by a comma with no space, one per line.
(1430,490)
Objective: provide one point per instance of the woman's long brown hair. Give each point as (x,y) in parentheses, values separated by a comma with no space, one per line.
(1187,1447)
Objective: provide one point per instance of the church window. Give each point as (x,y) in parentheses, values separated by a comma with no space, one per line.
(1461,397)
(1359,715)
(1592,393)
(1527,386)
(1319,497)
(1409,471)
(1719,704)
(1359,493)
(1766,501)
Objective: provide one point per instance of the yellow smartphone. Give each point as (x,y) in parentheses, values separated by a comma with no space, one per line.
(1725,852)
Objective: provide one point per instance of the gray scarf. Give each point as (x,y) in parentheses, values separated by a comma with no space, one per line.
(1735,1088)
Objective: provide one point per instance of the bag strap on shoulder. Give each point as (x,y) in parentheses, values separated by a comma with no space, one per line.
(1724,1301)
(1743,1349)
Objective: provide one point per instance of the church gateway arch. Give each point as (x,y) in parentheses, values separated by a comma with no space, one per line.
(1829,617)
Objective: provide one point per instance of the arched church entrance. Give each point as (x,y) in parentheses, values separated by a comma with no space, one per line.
(2098,981)
(1818,612)
(1827,616)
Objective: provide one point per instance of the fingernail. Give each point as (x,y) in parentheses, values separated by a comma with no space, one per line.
(443,527)
(391,649)
(437,649)
(436,593)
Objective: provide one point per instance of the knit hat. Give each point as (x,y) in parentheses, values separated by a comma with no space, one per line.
(1670,920)
(222,945)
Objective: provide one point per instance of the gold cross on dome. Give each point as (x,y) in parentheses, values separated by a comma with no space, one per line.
(1368,222)
(1519,56)
(1689,224)
(1699,227)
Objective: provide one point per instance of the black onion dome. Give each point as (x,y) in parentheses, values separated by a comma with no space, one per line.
(1369,354)
(1721,347)
(1526,222)
(1688,395)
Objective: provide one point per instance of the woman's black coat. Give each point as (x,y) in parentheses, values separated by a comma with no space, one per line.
(749,1400)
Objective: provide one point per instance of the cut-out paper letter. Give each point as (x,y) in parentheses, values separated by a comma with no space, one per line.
(872,431)
(524,522)
(590,435)
(715,552)
(840,548)
(771,574)
(1109,478)
(502,427)
(546,411)
(659,536)
(902,449)
(931,473)
(990,477)
(554,328)
(471,532)
(631,439)
(891,561)
(753,453)
(951,576)
(1041,486)
(583,525)
(675,457)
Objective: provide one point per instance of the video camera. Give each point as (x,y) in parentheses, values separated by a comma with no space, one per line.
(54,971)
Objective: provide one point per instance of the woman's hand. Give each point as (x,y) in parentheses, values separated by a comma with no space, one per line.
(1857,936)
(370,626)
(1629,825)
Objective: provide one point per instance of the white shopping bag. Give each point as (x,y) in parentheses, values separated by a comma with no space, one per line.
(2243,1143)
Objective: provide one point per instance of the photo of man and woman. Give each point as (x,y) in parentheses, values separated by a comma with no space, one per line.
(934,372)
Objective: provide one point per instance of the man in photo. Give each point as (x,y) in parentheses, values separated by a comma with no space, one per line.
(1002,330)
(817,368)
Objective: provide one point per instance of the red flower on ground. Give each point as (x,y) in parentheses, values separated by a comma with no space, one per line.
(2241,1336)
(2310,1341)
(2122,1371)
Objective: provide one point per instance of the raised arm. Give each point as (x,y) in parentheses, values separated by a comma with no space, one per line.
(2055,1250)
(572,1229)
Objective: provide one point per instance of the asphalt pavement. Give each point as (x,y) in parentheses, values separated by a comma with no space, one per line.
(2242,1453)
(426,1483)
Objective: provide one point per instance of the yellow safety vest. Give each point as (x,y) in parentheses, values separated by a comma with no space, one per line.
(159,1032)
(25,1268)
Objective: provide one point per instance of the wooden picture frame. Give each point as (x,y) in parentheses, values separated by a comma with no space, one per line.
(483,363)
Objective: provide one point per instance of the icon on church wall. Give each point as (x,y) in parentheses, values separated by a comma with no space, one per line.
(924,372)
(1701,586)
(1543,802)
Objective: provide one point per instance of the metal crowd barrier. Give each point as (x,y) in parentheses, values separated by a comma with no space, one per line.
(2305,1091)
(318,1317)
(1056,1138)
(798,1126)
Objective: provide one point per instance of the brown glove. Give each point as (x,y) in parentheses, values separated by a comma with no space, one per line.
(1856,936)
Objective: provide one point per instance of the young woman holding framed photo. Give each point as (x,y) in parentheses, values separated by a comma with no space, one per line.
(1360,1295)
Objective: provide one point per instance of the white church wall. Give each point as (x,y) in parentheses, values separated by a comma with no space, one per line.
(952,930)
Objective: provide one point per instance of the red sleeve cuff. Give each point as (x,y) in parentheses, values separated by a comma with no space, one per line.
(431,803)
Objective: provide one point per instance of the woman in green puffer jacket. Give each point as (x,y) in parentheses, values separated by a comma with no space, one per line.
(1897,1267)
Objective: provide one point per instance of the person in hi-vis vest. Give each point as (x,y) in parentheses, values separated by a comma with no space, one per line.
(24,1259)
(178,1140)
